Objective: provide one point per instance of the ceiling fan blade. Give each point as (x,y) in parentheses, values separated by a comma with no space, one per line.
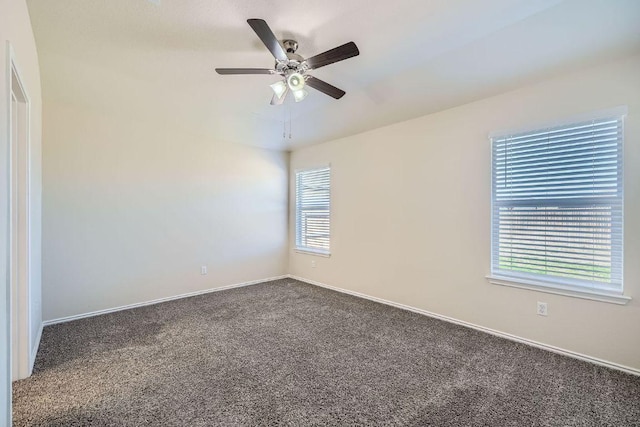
(244,71)
(268,38)
(340,53)
(325,87)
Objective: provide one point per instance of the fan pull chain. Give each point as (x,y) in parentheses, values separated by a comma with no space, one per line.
(284,124)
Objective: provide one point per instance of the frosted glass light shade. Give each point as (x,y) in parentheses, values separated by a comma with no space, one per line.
(279,88)
(299,95)
(295,81)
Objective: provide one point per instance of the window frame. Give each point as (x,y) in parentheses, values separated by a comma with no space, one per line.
(547,283)
(312,250)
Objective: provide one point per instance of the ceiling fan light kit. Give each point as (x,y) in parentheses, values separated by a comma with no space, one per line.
(292,67)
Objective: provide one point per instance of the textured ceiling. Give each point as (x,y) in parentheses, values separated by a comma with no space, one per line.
(151,61)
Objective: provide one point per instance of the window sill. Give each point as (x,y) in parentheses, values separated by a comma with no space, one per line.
(308,251)
(533,285)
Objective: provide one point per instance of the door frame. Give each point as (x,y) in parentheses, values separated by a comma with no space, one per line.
(19,139)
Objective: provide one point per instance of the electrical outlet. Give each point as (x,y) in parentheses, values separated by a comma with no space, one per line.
(313,263)
(203,270)
(542,308)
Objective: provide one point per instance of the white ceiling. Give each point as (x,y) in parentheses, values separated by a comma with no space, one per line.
(155,62)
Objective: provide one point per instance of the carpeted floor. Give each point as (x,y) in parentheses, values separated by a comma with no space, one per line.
(288,353)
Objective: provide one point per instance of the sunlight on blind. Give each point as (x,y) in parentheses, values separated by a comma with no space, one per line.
(313,210)
(557,204)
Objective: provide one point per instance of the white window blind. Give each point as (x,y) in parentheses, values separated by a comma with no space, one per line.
(557,205)
(313,210)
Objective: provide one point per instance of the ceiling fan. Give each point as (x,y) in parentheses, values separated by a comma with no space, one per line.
(292,67)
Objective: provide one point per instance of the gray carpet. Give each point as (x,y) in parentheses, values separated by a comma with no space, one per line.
(288,353)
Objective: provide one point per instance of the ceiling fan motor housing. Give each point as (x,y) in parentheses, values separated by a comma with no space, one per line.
(290,46)
(293,63)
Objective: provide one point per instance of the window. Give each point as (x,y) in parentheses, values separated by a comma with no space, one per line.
(557,206)
(313,210)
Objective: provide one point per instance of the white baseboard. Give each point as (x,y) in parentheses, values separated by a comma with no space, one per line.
(34,350)
(501,334)
(157,301)
(497,333)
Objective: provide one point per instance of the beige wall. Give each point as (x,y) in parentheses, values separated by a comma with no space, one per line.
(15,27)
(411,215)
(132,210)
